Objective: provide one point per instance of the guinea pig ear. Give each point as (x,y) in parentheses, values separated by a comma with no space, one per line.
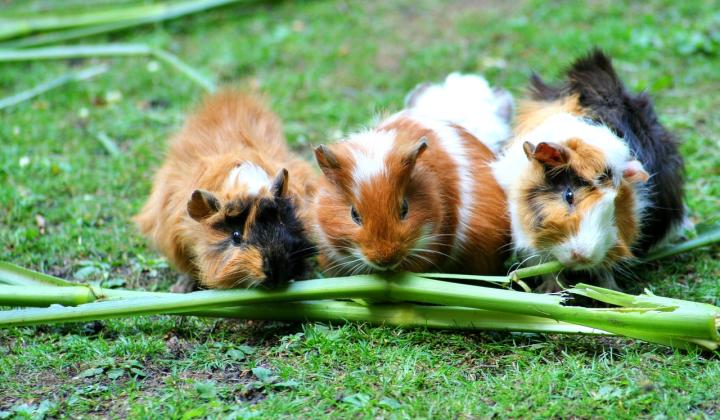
(415,152)
(634,172)
(279,186)
(550,154)
(202,204)
(326,160)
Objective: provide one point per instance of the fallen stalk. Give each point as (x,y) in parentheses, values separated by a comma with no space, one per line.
(666,321)
(107,50)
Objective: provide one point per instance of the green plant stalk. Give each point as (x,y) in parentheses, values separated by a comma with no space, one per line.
(359,286)
(679,322)
(466,277)
(107,50)
(671,325)
(147,13)
(52,84)
(14,275)
(400,315)
(708,237)
(536,270)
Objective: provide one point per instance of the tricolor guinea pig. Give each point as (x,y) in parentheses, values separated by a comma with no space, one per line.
(416,192)
(229,204)
(592,177)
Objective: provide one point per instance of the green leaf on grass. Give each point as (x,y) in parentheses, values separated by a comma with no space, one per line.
(206,390)
(236,354)
(358,400)
(293,384)
(264,374)
(88,373)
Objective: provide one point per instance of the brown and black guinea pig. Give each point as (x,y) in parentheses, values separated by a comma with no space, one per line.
(593,179)
(229,206)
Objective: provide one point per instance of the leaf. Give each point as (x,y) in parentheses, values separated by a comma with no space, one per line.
(138,372)
(88,373)
(390,403)
(264,374)
(358,400)
(236,354)
(293,384)
(206,390)
(246,349)
(115,373)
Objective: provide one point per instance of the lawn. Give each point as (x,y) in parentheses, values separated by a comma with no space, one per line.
(329,67)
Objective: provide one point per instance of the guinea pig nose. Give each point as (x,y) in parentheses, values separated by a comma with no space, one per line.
(276,272)
(578,257)
(388,261)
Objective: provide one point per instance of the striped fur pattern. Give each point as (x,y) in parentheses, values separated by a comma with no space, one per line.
(415,193)
(229,204)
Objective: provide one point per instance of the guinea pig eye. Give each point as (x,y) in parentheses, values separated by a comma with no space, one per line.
(568,196)
(355,216)
(236,237)
(404,209)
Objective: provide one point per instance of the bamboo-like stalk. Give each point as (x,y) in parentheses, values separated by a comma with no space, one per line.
(107,50)
(707,237)
(144,13)
(676,325)
(399,314)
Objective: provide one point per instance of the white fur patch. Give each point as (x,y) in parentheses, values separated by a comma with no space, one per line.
(597,233)
(470,102)
(369,151)
(452,143)
(248,175)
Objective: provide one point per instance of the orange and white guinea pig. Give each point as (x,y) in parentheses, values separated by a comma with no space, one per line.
(416,192)
(229,205)
(592,177)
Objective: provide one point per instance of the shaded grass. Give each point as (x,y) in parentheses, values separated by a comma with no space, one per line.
(327,68)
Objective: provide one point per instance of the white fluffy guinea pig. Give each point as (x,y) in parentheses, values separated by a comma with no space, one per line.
(416,192)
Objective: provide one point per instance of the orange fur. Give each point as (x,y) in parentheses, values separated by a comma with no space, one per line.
(230,128)
(431,186)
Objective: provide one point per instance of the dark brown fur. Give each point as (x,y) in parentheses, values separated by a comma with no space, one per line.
(192,212)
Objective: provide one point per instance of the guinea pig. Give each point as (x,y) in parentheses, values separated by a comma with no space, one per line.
(229,206)
(416,192)
(592,177)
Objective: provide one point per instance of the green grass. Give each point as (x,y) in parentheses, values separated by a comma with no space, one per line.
(328,67)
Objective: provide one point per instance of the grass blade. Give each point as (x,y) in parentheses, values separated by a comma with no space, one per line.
(77,76)
(107,50)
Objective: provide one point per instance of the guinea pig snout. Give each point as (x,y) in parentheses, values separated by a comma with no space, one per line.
(276,267)
(579,257)
(384,259)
